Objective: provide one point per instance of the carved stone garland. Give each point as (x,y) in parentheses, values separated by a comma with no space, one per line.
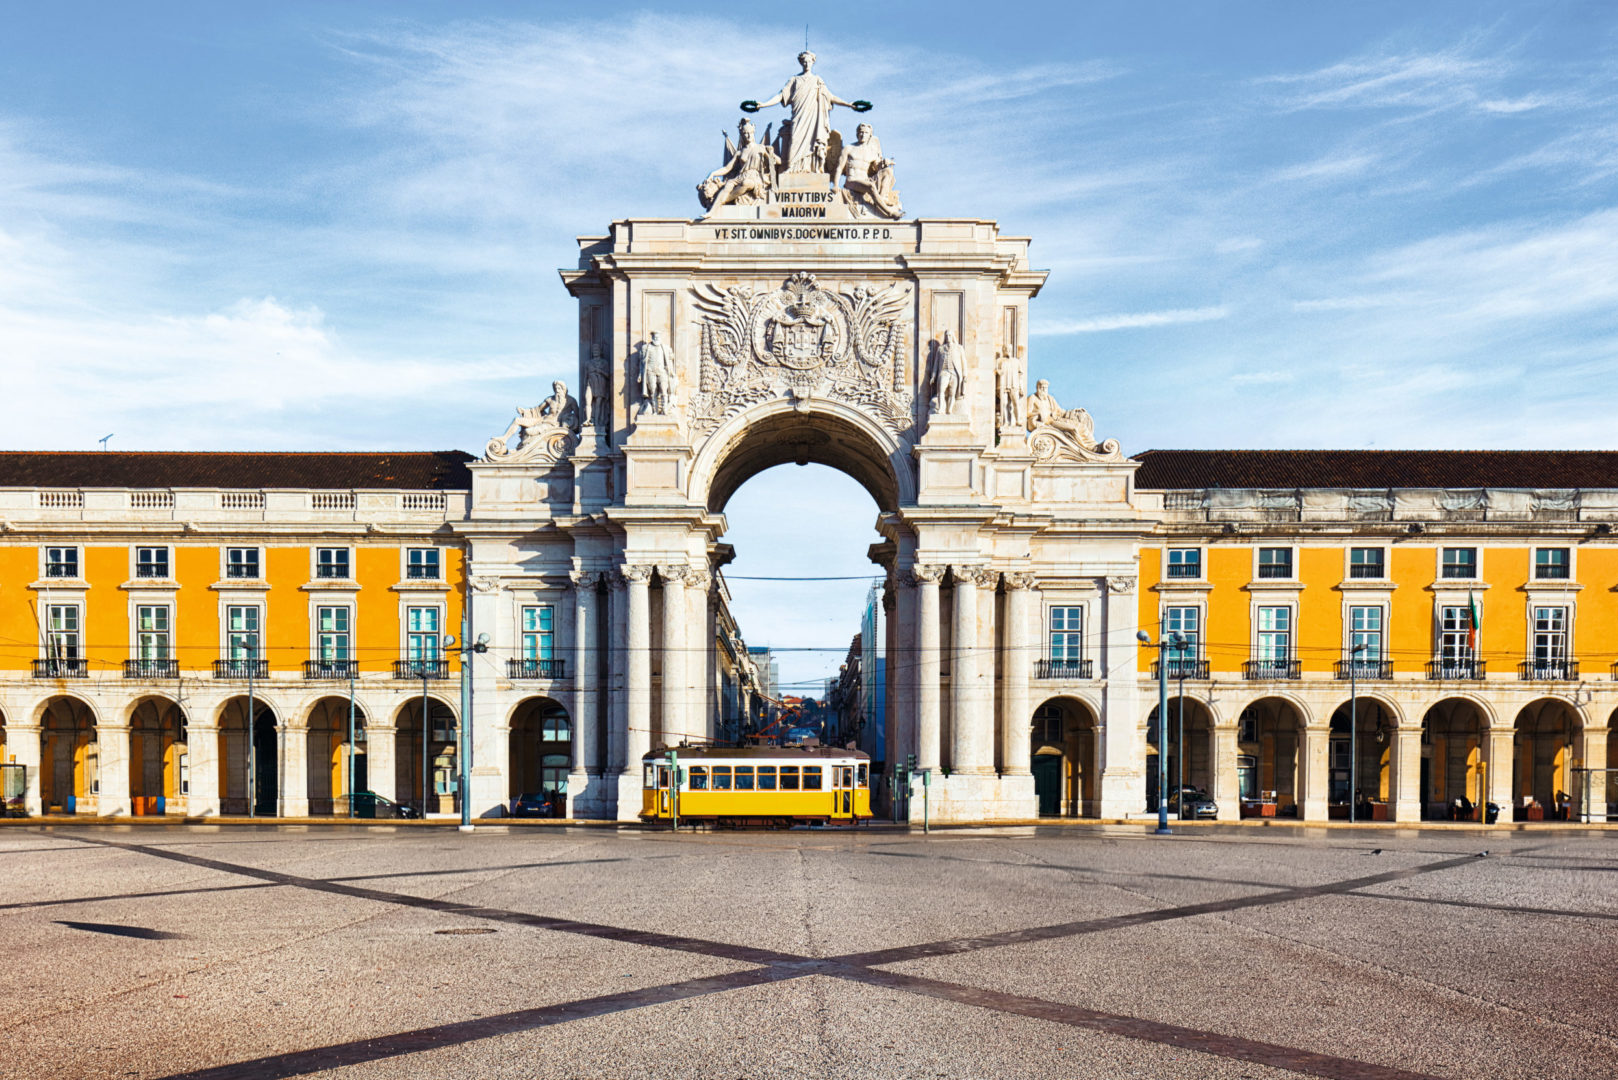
(801,340)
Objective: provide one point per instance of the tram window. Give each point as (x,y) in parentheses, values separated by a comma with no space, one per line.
(663,776)
(721,777)
(811,778)
(744,778)
(699,778)
(766,777)
(864,779)
(651,776)
(789,778)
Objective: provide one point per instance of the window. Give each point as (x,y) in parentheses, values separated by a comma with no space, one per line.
(151,562)
(331,562)
(1050,724)
(721,777)
(63,635)
(1247,727)
(241,622)
(1455,633)
(62,562)
(789,777)
(811,777)
(1365,628)
(744,778)
(698,775)
(1185,562)
(242,562)
(422,633)
(333,627)
(1366,563)
(1550,635)
(422,564)
(1551,564)
(538,636)
(1460,562)
(152,632)
(1067,634)
(1274,633)
(1275,562)
(766,777)
(1184,621)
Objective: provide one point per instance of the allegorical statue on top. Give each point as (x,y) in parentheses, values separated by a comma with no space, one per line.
(1059,434)
(545,432)
(868,176)
(811,102)
(746,177)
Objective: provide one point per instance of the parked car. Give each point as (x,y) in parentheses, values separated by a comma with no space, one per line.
(1194,803)
(384,807)
(531,804)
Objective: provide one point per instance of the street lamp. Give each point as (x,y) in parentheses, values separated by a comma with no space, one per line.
(1353,729)
(464,750)
(1172,641)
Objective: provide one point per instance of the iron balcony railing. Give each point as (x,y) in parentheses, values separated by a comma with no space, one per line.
(62,667)
(1364,669)
(421,669)
(1064,669)
(329,669)
(536,669)
(241,669)
(1183,668)
(151,669)
(1454,670)
(1269,669)
(1548,670)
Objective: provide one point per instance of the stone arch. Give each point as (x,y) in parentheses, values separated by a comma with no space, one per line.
(327,759)
(249,755)
(1271,755)
(1191,759)
(1371,751)
(1065,755)
(540,748)
(822,431)
(1544,742)
(426,779)
(159,739)
(1453,747)
(70,758)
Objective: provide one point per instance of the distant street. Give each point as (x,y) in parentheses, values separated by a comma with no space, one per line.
(252,952)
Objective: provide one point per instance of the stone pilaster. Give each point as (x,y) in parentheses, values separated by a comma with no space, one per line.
(927,667)
(1018,655)
(972,714)
(1591,751)
(1407,774)
(294,770)
(675,621)
(202,762)
(1123,743)
(490,737)
(701,704)
(381,761)
(586,767)
(1226,791)
(112,742)
(1315,774)
(1502,763)
(637,689)
(22,744)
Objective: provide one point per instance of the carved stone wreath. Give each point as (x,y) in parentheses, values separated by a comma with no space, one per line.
(801,340)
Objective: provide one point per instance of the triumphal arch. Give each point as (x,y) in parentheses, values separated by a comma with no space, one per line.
(802,316)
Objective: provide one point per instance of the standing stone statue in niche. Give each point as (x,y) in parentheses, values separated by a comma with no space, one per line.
(747,175)
(1008,372)
(597,400)
(868,176)
(811,102)
(659,379)
(544,432)
(948,374)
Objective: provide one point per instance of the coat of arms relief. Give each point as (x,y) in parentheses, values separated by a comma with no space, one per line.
(802,340)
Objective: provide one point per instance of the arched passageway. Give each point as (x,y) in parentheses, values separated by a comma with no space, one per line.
(1191,750)
(159,758)
(425,759)
(541,752)
(1062,756)
(1270,758)
(1543,751)
(328,757)
(1361,766)
(1452,767)
(70,760)
(249,768)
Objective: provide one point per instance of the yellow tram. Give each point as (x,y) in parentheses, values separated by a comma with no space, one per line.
(758,785)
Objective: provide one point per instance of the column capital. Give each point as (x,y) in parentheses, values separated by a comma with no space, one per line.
(1018,580)
(484,585)
(924,574)
(1121,584)
(585,579)
(698,577)
(637,572)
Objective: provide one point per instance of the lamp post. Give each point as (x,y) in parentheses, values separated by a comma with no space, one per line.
(1353,729)
(463,750)
(1171,641)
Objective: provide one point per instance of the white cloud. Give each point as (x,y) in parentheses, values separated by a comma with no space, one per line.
(1422,80)
(1133,321)
(1262,378)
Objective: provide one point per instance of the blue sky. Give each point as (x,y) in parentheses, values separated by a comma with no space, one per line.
(337,225)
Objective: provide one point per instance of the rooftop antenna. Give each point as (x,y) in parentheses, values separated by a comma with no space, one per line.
(103,440)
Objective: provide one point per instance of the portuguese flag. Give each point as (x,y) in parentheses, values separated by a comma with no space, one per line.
(1476,620)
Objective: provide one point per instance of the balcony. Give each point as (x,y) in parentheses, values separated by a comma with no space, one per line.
(421,669)
(151,669)
(1261,670)
(65,667)
(1561,670)
(1064,669)
(1364,669)
(1455,670)
(329,669)
(241,669)
(1183,668)
(536,669)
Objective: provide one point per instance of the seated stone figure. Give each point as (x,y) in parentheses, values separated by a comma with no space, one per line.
(746,177)
(868,176)
(543,431)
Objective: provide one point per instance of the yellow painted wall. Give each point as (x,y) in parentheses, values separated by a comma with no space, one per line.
(1230,620)
(107,632)
(1319,640)
(19,635)
(196,607)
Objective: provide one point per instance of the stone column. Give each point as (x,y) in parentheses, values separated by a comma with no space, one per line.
(617,674)
(491,737)
(1223,750)
(294,781)
(202,760)
(701,707)
(637,689)
(1498,744)
(381,765)
(1018,656)
(675,701)
(1591,750)
(1316,773)
(1124,707)
(112,744)
(928,665)
(22,743)
(901,661)
(586,754)
(972,715)
(1406,769)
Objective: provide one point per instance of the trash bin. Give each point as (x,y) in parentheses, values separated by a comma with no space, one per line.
(1492,813)
(365,804)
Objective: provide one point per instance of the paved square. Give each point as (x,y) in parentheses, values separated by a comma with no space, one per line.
(339,951)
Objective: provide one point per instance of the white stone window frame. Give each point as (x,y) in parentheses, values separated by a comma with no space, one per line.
(1367,600)
(1260,582)
(1348,562)
(1200,604)
(541,600)
(164,600)
(334,599)
(1060,598)
(134,562)
(228,601)
(1292,606)
(441,606)
(48,628)
(224,561)
(1457,595)
(404,565)
(1477,564)
(314,561)
(1565,602)
(45,561)
(1202,562)
(1048,645)
(1572,565)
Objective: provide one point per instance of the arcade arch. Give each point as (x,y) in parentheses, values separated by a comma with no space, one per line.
(424,758)
(1543,744)
(1191,749)
(1452,760)
(327,763)
(159,755)
(70,760)
(1373,745)
(541,752)
(249,764)
(1270,737)
(1065,747)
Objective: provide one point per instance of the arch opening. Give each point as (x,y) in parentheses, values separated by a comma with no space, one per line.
(1270,758)
(1064,747)
(159,756)
(249,758)
(327,745)
(426,772)
(541,756)
(1360,768)
(1191,755)
(1543,749)
(70,757)
(820,435)
(1452,761)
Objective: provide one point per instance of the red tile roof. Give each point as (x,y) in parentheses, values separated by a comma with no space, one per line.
(435,470)
(1187,469)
